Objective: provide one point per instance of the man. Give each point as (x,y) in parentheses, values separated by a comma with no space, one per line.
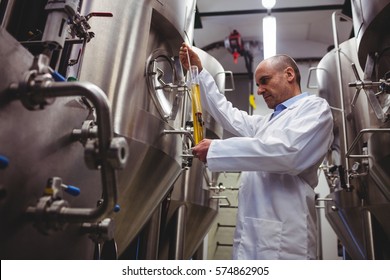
(279,155)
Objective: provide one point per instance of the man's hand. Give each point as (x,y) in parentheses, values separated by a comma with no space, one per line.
(200,151)
(194,58)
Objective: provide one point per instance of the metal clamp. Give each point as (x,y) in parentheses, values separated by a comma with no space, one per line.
(100,231)
(87,131)
(38,76)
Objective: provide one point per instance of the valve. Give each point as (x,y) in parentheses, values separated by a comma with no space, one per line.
(72,190)
(48,209)
(234,44)
(58,14)
(54,188)
(360,169)
(49,206)
(57,76)
(385,83)
(367,86)
(4,162)
(46,220)
(79,24)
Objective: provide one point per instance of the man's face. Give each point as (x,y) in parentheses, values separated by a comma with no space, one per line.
(272,84)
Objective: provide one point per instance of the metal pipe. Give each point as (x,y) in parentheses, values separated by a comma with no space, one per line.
(186,133)
(209,182)
(368,234)
(231,80)
(340,79)
(6,9)
(151,236)
(274,10)
(105,134)
(357,139)
(179,237)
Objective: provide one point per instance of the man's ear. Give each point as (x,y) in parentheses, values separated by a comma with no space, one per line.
(290,74)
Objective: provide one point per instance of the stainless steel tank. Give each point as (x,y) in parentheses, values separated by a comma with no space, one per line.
(39,158)
(358,173)
(129,58)
(370,18)
(194,201)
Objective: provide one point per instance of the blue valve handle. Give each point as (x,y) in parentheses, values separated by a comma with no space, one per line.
(72,190)
(117,208)
(4,161)
(58,77)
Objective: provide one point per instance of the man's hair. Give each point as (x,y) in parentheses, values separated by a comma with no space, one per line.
(282,61)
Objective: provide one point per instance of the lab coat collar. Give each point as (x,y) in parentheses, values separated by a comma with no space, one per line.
(288,104)
(290,101)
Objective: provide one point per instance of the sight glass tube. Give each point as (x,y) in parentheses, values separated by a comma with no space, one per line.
(196,105)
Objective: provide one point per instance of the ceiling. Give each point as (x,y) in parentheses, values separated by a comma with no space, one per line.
(304,27)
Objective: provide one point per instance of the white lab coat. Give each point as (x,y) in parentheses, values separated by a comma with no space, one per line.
(276,216)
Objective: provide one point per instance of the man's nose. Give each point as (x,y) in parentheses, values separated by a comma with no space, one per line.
(260,90)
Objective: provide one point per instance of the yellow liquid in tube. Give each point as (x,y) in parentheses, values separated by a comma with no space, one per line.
(197,116)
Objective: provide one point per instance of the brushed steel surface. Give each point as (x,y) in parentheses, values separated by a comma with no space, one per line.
(371,30)
(350,211)
(39,146)
(116,60)
(191,191)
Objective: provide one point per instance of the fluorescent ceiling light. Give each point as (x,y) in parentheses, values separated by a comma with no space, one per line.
(268,4)
(269,36)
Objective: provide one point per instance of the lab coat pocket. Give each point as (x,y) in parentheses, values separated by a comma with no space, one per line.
(260,239)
